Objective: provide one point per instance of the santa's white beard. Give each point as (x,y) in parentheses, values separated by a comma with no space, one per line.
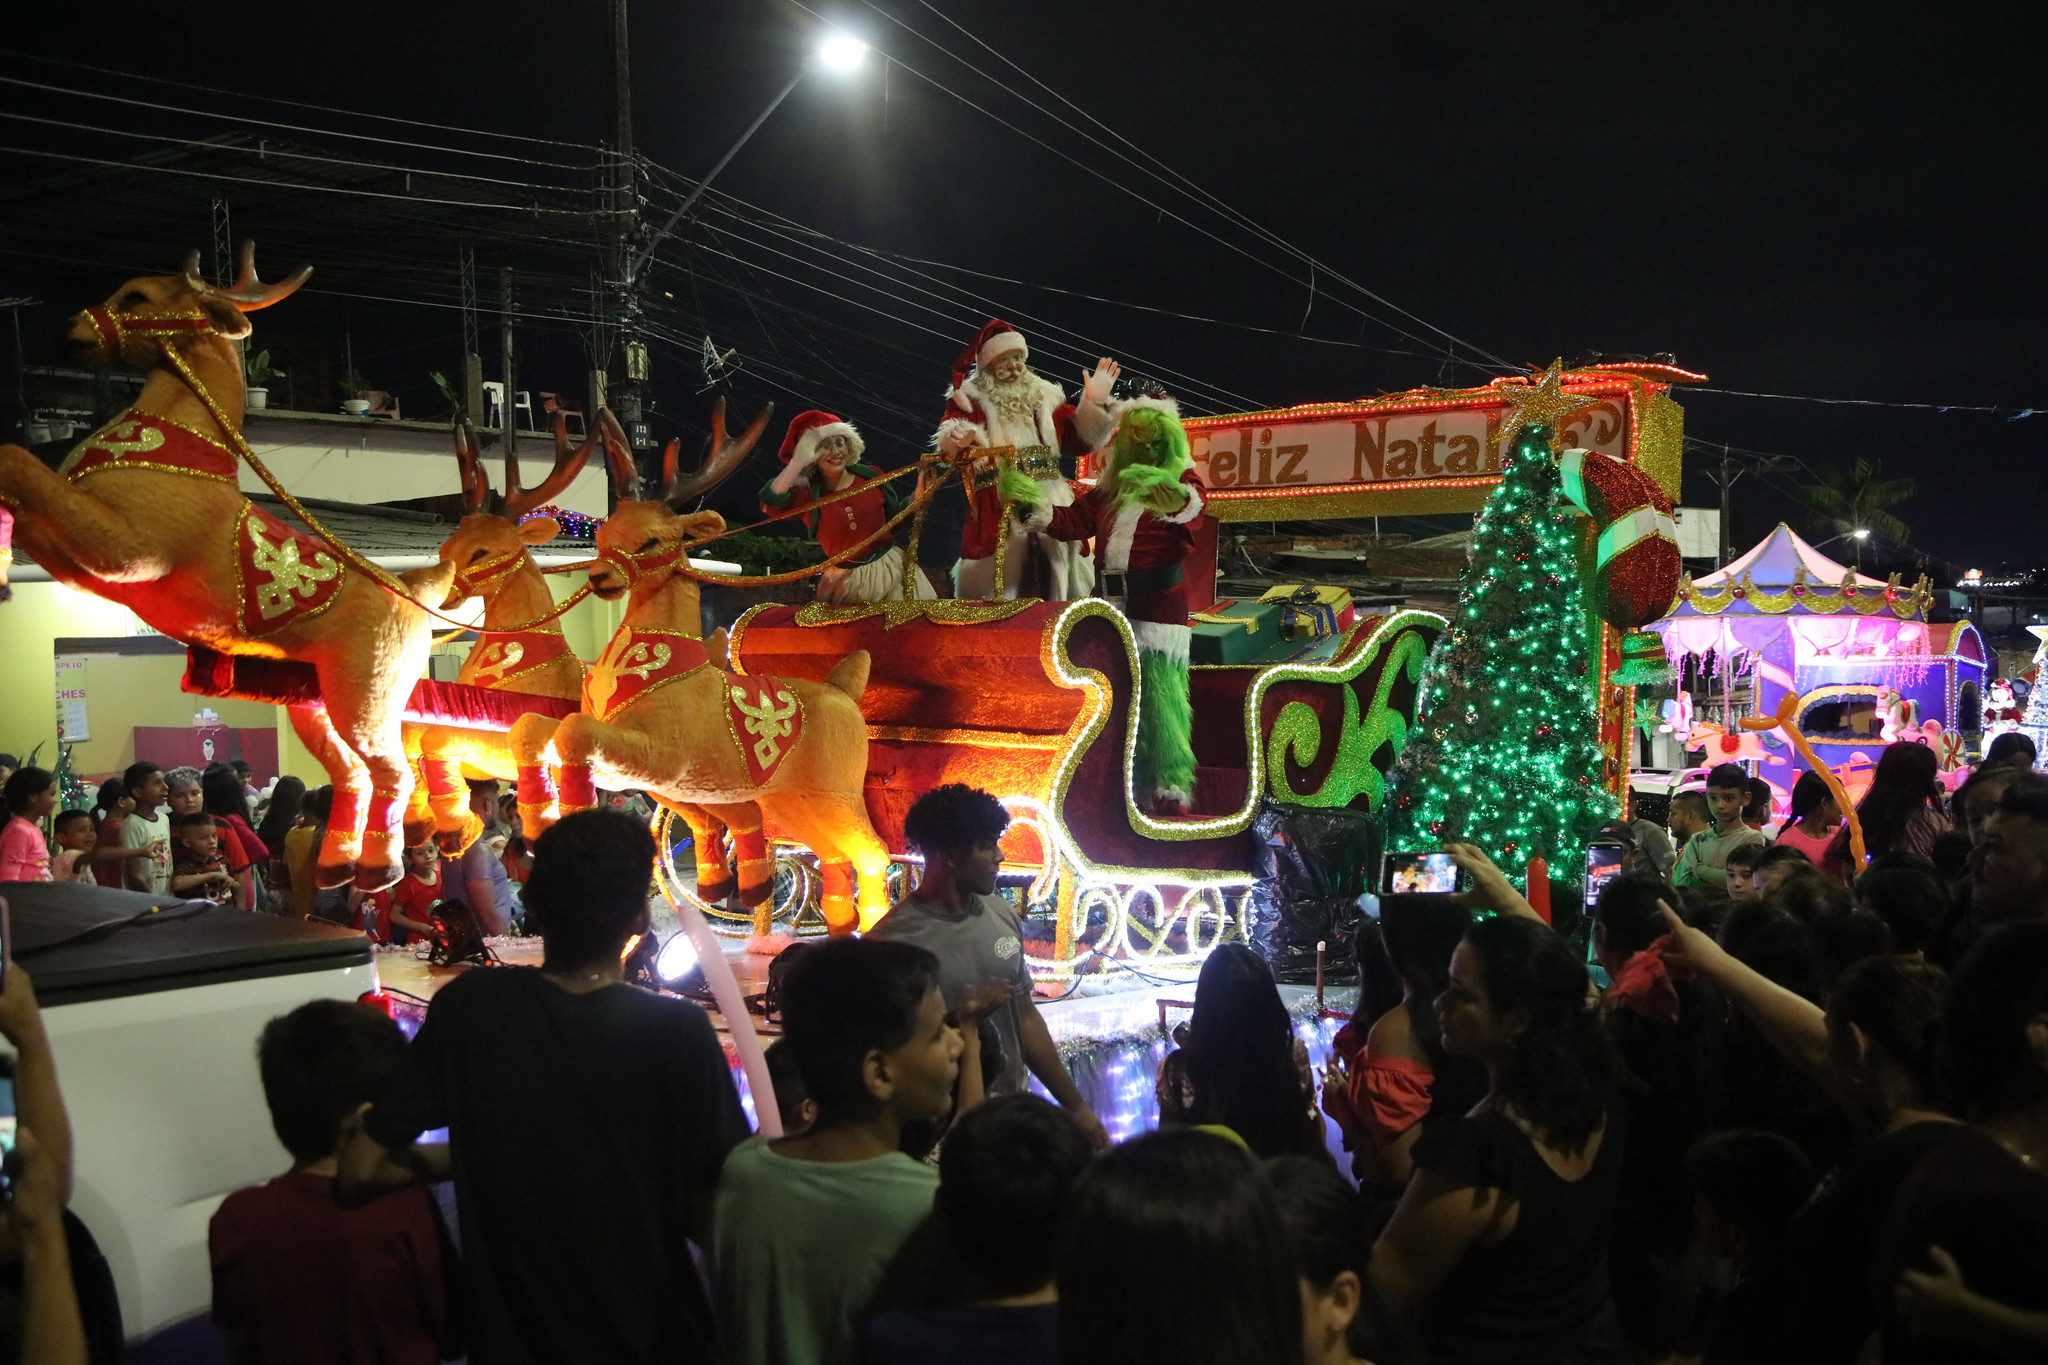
(1014,400)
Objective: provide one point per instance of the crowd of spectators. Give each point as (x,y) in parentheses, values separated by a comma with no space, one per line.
(1770,1111)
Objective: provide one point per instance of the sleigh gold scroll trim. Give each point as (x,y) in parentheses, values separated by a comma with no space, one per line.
(944,611)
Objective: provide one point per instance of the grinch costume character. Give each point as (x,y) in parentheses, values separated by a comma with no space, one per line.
(820,456)
(998,401)
(1139,516)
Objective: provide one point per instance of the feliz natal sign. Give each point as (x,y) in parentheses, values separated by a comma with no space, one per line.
(1423,451)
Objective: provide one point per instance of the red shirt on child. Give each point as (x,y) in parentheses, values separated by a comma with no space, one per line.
(412,898)
(297,1277)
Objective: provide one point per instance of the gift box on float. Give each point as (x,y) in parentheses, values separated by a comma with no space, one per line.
(1309,610)
(1234,631)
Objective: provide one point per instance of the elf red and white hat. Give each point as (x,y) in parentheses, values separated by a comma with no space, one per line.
(807,429)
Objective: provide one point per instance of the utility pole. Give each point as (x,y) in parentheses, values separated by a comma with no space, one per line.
(510,411)
(1725,484)
(622,373)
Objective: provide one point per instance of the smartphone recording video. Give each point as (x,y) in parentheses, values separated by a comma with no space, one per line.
(1409,873)
(1603,864)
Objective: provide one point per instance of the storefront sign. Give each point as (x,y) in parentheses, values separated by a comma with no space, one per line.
(71,718)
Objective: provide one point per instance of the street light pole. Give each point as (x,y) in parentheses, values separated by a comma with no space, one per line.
(646,253)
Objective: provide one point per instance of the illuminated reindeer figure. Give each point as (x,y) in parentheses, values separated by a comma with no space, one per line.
(146,512)
(491,552)
(721,750)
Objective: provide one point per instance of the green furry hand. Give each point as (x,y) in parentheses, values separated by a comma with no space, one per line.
(1017,486)
(1159,489)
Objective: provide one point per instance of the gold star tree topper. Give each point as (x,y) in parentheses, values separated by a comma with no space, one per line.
(1542,403)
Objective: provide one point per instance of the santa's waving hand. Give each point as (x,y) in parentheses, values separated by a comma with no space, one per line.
(997,400)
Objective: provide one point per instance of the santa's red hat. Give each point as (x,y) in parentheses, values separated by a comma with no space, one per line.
(807,429)
(998,338)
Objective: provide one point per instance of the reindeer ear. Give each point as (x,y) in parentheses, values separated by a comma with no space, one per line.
(228,320)
(702,525)
(539,530)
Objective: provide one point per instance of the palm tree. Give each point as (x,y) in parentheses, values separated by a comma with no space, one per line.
(1852,500)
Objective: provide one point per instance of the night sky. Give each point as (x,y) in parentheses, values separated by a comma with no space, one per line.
(1819,200)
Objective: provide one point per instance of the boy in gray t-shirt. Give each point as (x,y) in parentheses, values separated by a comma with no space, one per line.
(956,915)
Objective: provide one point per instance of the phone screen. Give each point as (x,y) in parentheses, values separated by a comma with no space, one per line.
(1603,863)
(1406,873)
(7,1159)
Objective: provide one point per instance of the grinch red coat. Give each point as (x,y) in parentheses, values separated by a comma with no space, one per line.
(1140,550)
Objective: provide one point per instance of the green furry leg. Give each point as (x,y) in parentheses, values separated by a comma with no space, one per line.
(1166,721)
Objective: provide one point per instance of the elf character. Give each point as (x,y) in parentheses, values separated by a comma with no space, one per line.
(998,400)
(1139,515)
(821,457)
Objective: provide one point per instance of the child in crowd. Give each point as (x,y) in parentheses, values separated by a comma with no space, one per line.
(147,827)
(812,1233)
(1004,1176)
(1747,1187)
(76,836)
(1756,813)
(295,1275)
(30,794)
(1814,817)
(396,913)
(1741,869)
(1704,859)
(201,870)
(110,857)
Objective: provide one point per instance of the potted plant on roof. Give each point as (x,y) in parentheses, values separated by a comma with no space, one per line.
(257,372)
(353,386)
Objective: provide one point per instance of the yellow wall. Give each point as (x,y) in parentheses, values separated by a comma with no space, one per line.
(29,627)
(122,692)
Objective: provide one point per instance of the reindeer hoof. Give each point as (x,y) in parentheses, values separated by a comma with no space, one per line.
(328,876)
(377,876)
(417,832)
(455,842)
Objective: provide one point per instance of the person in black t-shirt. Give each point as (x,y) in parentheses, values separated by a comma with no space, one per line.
(587,1123)
(1747,1186)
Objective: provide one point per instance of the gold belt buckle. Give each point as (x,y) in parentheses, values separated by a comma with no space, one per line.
(1038,461)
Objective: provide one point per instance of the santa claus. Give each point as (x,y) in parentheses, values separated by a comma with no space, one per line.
(997,401)
(1139,515)
(821,456)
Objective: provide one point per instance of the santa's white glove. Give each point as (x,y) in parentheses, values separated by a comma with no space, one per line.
(1096,384)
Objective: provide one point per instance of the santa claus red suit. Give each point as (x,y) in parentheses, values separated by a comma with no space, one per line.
(998,401)
(820,455)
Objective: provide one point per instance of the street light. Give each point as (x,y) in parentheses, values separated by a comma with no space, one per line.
(841,53)
(1861,533)
(838,53)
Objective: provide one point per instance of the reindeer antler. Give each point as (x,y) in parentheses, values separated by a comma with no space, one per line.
(725,457)
(618,454)
(568,464)
(476,485)
(247,292)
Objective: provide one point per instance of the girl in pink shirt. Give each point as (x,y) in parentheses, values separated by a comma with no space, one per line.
(1814,817)
(30,794)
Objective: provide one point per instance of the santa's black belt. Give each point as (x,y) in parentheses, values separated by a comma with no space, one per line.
(1137,582)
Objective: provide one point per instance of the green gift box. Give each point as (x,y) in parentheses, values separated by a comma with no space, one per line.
(1236,632)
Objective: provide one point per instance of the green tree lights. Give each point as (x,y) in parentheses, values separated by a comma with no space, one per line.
(1505,752)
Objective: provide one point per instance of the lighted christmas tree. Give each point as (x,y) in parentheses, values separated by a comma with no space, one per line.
(1505,752)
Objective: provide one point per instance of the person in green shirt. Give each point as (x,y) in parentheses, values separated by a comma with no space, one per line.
(1704,860)
(813,1234)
